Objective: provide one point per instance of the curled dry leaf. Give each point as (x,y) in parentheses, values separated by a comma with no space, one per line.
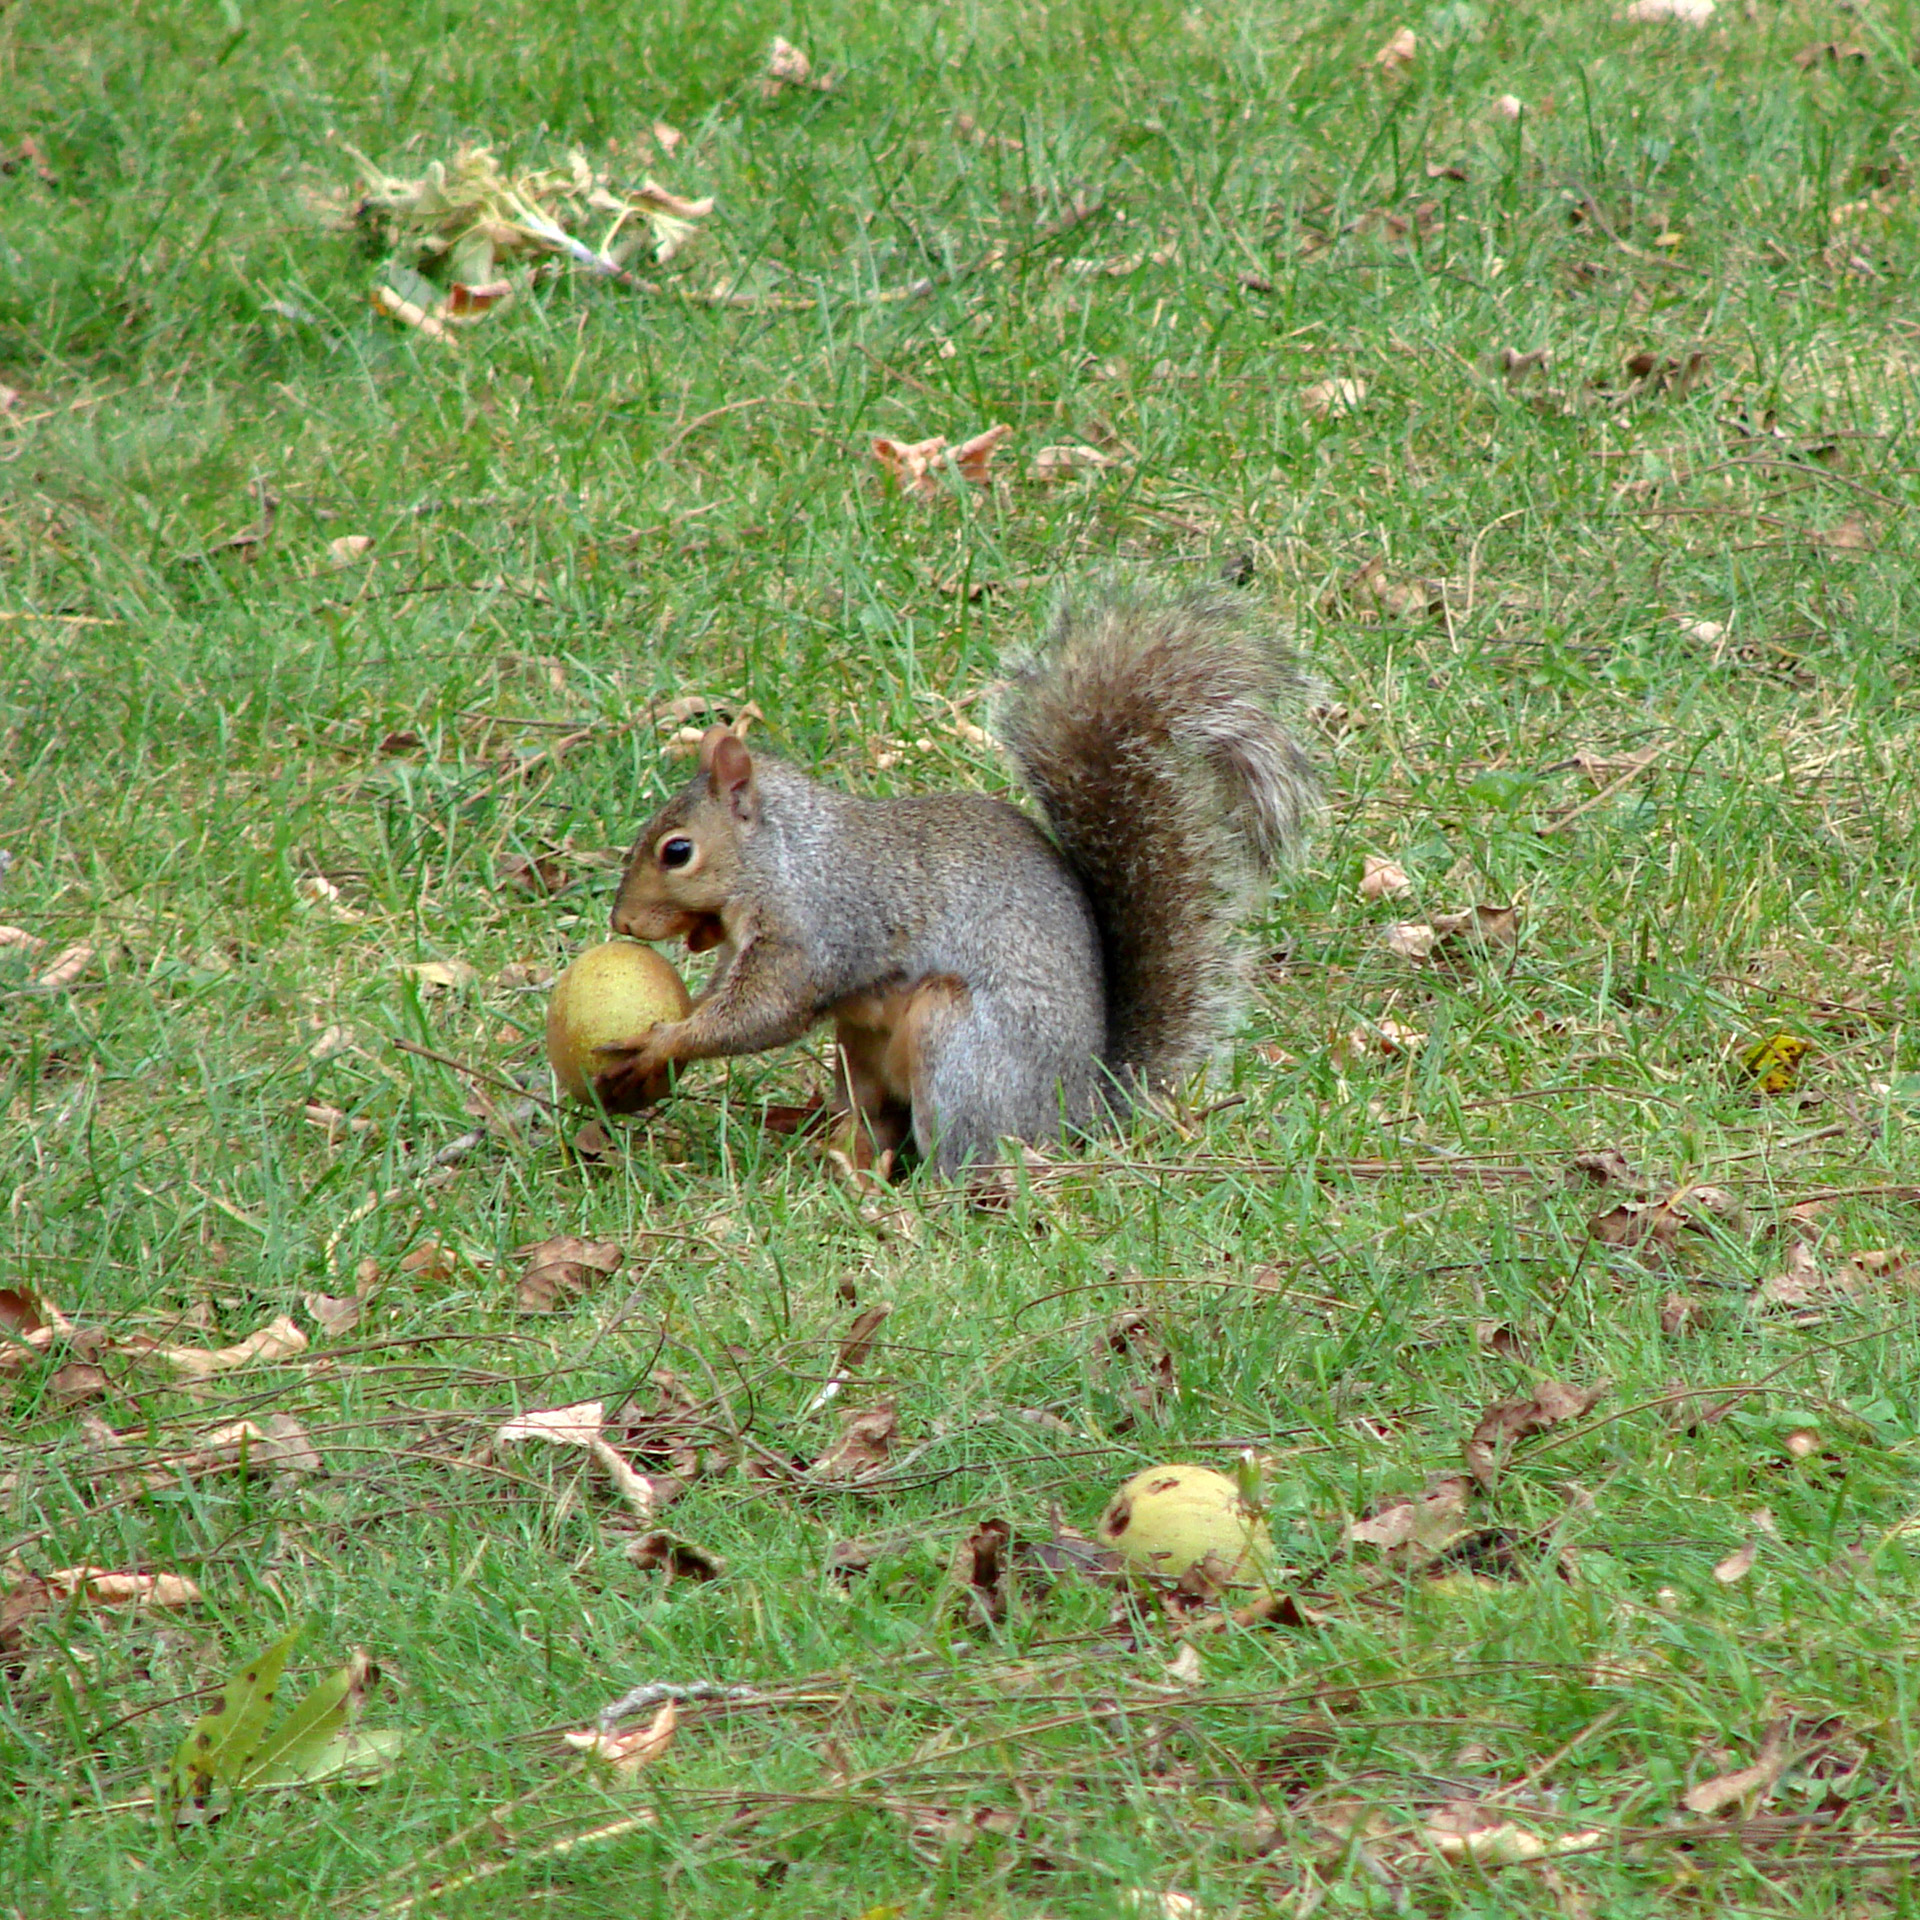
(279,1339)
(1328,399)
(919,464)
(982,1572)
(29,1325)
(1508,1422)
(864,1446)
(559,1268)
(1754,1782)
(678,1559)
(1382,879)
(1410,940)
(95,1586)
(1465,1830)
(65,967)
(580,1425)
(350,548)
(19,940)
(627,1753)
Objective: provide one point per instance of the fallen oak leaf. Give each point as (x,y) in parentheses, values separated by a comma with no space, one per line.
(1508,1422)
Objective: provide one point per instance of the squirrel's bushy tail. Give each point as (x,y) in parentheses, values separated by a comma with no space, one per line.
(1155,734)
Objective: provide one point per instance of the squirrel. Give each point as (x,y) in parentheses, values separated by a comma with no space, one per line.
(988,978)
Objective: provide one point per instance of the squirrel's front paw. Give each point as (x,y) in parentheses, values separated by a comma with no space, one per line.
(642,1078)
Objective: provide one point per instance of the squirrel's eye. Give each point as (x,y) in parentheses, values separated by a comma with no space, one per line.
(676,852)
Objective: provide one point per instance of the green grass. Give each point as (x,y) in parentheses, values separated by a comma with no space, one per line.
(601,500)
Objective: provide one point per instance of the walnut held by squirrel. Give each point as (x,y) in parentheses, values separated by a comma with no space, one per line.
(989,978)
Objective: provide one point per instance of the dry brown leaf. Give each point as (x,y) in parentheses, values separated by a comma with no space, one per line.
(581,1425)
(562,1267)
(1724,1790)
(864,1446)
(1328,399)
(279,1339)
(1385,1038)
(919,464)
(787,67)
(78,1382)
(627,1753)
(1410,940)
(859,1339)
(278,1443)
(982,1572)
(537,876)
(95,1586)
(578,1425)
(438,976)
(1382,879)
(29,1325)
(19,940)
(65,967)
(1829,53)
(1399,52)
(1850,536)
(1070,462)
(678,1559)
(1508,1422)
(1431,1520)
(349,548)
(429,1260)
(1681,1313)
(334,1314)
(1609,1167)
(1478,928)
(1737,1565)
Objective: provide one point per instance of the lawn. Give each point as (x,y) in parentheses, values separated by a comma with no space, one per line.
(1553,373)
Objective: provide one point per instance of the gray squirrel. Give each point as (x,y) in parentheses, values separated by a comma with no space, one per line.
(990,976)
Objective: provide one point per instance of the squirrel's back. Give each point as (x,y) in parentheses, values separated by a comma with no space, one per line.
(1157,735)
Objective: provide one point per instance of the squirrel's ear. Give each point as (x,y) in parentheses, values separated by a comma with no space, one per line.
(729,772)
